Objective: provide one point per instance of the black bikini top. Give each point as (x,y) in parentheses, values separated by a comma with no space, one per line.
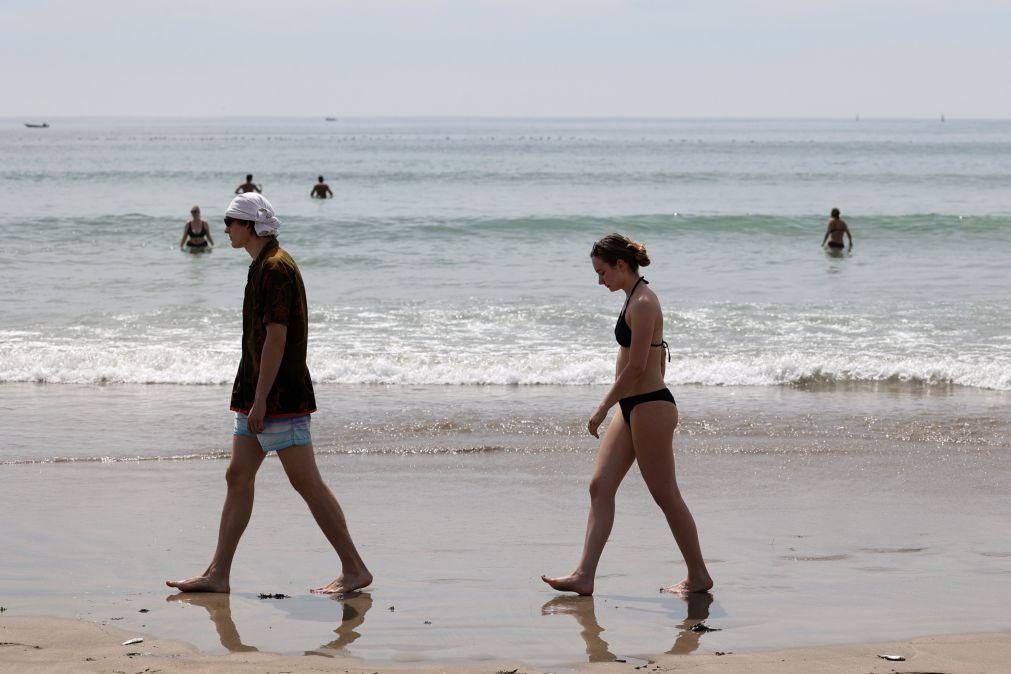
(190,232)
(622,331)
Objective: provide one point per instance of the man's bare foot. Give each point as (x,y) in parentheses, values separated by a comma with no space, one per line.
(573,583)
(199,584)
(689,585)
(344,583)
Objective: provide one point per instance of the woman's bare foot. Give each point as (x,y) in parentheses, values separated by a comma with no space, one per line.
(572,583)
(200,584)
(690,585)
(344,583)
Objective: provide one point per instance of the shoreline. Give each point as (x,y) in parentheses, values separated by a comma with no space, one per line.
(821,531)
(50,643)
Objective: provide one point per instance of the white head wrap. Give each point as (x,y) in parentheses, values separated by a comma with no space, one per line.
(255,208)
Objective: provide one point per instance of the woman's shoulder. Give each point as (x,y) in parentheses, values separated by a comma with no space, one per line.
(647,301)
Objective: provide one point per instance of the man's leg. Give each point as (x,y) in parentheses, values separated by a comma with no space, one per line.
(300,465)
(247,456)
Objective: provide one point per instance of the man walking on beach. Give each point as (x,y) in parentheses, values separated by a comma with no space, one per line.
(272,399)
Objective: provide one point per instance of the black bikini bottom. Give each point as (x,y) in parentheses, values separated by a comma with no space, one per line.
(833,244)
(629,403)
(196,245)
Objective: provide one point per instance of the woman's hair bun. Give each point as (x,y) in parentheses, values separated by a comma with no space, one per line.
(614,247)
(639,250)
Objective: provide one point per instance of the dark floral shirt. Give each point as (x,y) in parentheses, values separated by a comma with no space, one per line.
(275,294)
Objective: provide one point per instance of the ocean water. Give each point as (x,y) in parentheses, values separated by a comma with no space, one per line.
(456,251)
(845,420)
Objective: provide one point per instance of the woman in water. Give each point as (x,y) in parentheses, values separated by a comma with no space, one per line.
(643,427)
(196,234)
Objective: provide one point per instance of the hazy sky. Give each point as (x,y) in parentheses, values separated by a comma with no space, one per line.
(498,58)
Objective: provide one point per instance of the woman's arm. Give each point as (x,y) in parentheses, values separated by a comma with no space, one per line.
(207,233)
(186,233)
(641,317)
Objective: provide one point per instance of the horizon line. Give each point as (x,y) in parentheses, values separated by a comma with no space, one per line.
(855,117)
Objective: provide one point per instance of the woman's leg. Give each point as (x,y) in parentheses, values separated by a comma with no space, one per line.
(613,461)
(653,425)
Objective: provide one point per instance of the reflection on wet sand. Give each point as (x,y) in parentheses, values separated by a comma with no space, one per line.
(687,640)
(598,650)
(582,609)
(355,606)
(219,607)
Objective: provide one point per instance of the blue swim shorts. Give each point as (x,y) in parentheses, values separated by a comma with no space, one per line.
(278,433)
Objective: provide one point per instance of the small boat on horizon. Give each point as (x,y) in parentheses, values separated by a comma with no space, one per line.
(330,119)
(43,125)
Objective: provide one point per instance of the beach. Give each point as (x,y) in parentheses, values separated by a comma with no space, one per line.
(844,430)
(814,539)
(46,644)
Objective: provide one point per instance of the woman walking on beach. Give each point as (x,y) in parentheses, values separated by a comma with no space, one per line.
(643,427)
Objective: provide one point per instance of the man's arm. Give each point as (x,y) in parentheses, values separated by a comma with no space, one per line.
(828,230)
(270,363)
(329,191)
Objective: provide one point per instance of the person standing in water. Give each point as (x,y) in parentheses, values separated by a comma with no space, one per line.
(248,186)
(642,429)
(834,233)
(320,190)
(196,233)
(273,398)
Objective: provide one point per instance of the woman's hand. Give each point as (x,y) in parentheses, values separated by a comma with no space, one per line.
(254,421)
(595,421)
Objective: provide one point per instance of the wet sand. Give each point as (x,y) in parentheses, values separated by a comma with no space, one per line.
(48,644)
(813,541)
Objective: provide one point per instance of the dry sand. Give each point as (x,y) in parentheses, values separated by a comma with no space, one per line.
(52,644)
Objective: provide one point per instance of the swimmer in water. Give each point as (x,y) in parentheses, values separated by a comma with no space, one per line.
(834,234)
(248,186)
(320,190)
(196,233)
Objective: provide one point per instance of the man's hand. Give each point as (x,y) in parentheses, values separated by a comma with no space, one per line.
(255,419)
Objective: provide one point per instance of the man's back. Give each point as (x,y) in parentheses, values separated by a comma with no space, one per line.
(275,293)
